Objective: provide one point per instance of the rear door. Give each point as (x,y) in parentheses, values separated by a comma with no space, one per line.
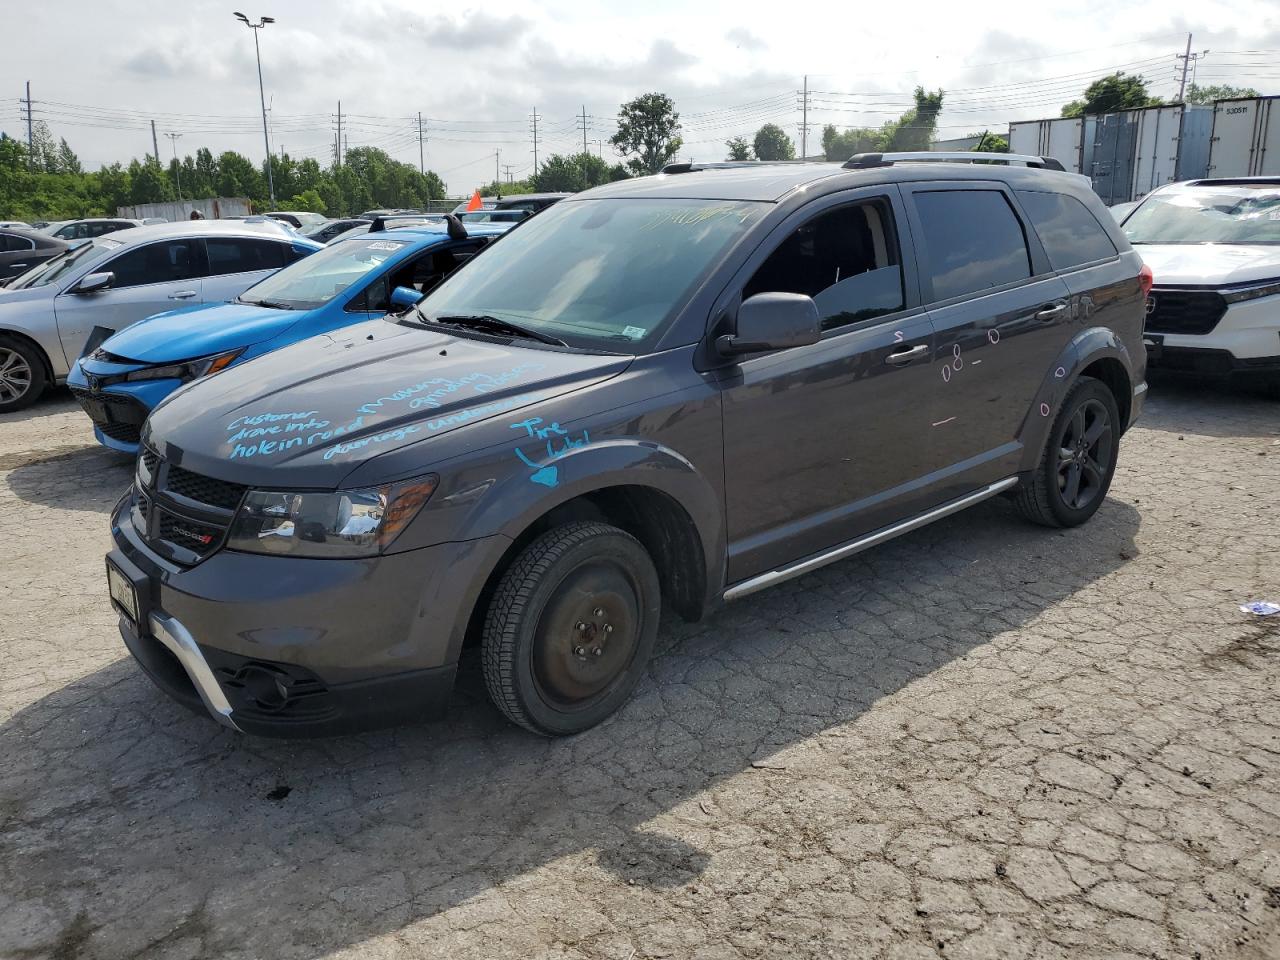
(151,278)
(17,255)
(237,263)
(1001,317)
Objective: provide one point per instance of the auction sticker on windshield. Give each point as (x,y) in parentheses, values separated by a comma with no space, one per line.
(387,245)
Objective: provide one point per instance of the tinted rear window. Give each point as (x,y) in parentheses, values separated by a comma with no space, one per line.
(974,241)
(244,255)
(1070,233)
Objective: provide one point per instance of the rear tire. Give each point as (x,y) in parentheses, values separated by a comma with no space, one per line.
(570,628)
(1079,459)
(22,376)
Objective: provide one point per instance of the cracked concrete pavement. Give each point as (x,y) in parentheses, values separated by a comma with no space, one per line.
(983,740)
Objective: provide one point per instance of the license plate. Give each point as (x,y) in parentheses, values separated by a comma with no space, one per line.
(122,593)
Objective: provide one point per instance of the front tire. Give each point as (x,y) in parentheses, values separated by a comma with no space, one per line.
(1074,474)
(570,628)
(22,376)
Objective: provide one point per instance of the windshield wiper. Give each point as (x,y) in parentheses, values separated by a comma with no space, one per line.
(489,324)
(270,304)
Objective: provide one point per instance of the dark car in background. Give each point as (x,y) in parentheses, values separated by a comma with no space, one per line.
(331,228)
(20,250)
(673,390)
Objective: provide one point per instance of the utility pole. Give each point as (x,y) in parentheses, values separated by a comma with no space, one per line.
(804,120)
(339,152)
(422,164)
(507,167)
(155,143)
(31,155)
(497,170)
(535,118)
(177,166)
(1186,61)
(584,128)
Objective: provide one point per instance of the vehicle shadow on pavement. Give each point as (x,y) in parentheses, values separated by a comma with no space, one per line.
(129,826)
(1183,403)
(72,477)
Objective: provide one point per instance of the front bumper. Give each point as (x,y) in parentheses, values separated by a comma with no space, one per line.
(1247,336)
(119,411)
(293,647)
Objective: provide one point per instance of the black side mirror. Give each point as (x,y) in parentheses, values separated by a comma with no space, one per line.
(93,282)
(772,321)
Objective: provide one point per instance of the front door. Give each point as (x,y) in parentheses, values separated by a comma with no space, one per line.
(822,442)
(149,279)
(1001,318)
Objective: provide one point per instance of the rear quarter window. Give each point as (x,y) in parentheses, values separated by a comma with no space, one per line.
(1071,234)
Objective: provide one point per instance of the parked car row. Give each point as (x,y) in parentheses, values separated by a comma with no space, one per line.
(54,312)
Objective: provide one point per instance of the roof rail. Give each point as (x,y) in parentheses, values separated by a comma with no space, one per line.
(695,166)
(863,160)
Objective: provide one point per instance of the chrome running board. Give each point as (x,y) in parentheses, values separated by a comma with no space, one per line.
(763,580)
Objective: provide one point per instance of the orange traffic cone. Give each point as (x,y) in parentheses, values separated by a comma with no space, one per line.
(475,203)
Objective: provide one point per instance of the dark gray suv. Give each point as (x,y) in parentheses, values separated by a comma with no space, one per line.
(674,390)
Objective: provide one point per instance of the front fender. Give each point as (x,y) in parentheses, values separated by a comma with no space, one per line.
(525,494)
(1084,349)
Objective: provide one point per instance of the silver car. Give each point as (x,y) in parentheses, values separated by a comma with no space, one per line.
(50,313)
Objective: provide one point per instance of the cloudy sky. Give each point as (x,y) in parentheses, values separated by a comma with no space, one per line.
(101,70)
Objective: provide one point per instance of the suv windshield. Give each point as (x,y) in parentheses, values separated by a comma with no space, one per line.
(315,280)
(1232,213)
(57,267)
(599,274)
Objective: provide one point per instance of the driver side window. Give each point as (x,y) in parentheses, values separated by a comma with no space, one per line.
(846,259)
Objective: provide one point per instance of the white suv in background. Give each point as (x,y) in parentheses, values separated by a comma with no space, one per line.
(1214,247)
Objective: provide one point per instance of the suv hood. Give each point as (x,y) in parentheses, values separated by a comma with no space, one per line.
(1210,264)
(307,415)
(199,331)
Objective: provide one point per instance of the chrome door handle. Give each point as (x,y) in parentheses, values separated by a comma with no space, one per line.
(182,295)
(1052,313)
(906,356)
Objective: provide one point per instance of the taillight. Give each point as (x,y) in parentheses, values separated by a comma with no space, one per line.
(1145,279)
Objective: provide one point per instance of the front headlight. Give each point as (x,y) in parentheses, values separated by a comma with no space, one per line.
(188,370)
(1254,291)
(344,523)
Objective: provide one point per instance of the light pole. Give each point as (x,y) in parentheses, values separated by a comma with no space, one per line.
(177,164)
(262,97)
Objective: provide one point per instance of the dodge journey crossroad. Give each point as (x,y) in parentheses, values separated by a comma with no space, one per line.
(675,390)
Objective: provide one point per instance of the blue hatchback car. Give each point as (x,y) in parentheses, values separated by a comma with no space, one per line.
(347,282)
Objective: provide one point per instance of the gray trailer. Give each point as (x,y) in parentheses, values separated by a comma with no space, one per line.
(1246,138)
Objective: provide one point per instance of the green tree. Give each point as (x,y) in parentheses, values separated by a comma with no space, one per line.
(1116,91)
(989,142)
(114,187)
(307,200)
(648,133)
(914,130)
(840,146)
(68,162)
(772,143)
(236,176)
(1222,91)
(581,171)
(148,182)
(739,149)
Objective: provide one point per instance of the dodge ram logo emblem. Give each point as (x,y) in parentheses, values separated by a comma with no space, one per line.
(1151,305)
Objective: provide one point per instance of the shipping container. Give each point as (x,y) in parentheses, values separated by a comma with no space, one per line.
(1132,152)
(1061,139)
(1246,138)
